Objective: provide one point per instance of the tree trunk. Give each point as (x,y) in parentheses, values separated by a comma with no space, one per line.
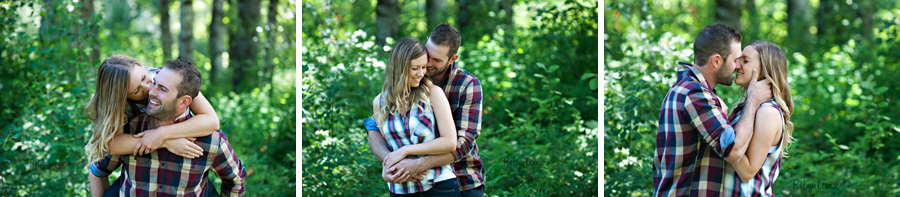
(387,20)
(186,39)
(48,20)
(164,28)
(244,56)
(728,12)
(462,15)
(118,15)
(87,9)
(436,11)
(216,41)
(270,41)
(798,20)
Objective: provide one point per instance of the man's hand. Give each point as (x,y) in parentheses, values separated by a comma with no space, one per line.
(412,165)
(758,91)
(150,141)
(184,147)
(401,171)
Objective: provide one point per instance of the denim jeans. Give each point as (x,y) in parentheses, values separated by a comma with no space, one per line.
(475,192)
(446,188)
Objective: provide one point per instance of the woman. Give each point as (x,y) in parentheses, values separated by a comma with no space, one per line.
(122,92)
(406,111)
(755,173)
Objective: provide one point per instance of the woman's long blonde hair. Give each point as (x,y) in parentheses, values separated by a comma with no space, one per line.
(395,91)
(107,107)
(773,66)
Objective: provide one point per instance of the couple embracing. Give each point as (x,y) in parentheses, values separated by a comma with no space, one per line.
(701,150)
(426,119)
(156,125)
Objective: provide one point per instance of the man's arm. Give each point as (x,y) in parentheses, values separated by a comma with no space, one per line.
(98,185)
(376,140)
(229,168)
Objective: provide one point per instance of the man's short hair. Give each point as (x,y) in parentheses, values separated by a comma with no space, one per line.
(714,39)
(190,77)
(445,35)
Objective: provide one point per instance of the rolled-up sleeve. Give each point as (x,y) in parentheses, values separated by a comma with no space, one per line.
(104,167)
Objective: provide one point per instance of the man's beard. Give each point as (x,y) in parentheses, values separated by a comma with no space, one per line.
(439,72)
(723,77)
(166,110)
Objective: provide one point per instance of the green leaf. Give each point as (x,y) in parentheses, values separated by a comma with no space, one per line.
(553,68)
(881,90)
(594,84)
(587,75)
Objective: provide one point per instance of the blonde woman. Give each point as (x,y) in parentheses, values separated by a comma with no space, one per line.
(405,112)
(123,86)
(755,173)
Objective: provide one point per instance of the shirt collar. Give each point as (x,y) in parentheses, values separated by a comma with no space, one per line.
(688,70)
(450,70)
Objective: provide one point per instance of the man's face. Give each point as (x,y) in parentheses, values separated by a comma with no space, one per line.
(163,95)
(731,63)
(438,61)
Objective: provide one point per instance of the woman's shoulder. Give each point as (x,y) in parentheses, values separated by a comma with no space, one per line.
(376,102)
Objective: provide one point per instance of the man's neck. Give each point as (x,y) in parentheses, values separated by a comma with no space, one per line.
(165,121)
(709,75)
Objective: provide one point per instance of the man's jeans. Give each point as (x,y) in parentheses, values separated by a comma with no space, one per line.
(476,192)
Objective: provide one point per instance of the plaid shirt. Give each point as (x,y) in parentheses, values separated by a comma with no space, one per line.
(415,127)
(463,91)
(694,135)
(162,173)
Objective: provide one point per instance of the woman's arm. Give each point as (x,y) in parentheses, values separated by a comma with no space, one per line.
(204,122)
(122,144)
(768,125)
(444,144)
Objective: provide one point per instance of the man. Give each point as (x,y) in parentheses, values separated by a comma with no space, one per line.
(463,90)
(694,133)
(162,173)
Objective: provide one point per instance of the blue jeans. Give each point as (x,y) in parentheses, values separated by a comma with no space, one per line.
(113,189)
(475,192)
(446,188)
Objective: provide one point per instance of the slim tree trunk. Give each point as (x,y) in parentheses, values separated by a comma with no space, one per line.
(387,20)
(728,12)
(270,41)
(216,41)
(164,28)
(436,11)
(186,39)
(462,15)
(87,9)
(244,57)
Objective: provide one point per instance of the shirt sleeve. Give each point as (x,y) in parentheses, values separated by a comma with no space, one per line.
(710,120)
(468,120)
(104,167)
(370,125)
(229,168)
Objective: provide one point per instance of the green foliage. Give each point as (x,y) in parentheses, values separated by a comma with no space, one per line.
(539,129)
(48,78)
(841,90)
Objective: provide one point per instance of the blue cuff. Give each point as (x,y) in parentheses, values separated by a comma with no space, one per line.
(371,125)
(727,138)
(97,172)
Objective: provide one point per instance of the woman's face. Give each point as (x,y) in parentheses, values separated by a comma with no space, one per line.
(749,61)
(139,86)
(417,71)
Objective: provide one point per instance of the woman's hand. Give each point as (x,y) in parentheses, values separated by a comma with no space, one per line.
(184,147)
(150,141)
(394,157)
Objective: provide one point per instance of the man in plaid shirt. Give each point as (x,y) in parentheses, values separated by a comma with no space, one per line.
(694,134)
(162,173)
(463,90)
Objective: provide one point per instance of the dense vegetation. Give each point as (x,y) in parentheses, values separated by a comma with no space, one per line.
(50,51)
(842,72)
(537,65)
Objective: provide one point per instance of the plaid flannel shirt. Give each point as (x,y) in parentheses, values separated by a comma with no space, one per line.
(463,91)
(693,138)
(162,173)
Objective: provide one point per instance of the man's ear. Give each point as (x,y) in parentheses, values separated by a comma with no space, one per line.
(185,101)
(453,59)
(714,61)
